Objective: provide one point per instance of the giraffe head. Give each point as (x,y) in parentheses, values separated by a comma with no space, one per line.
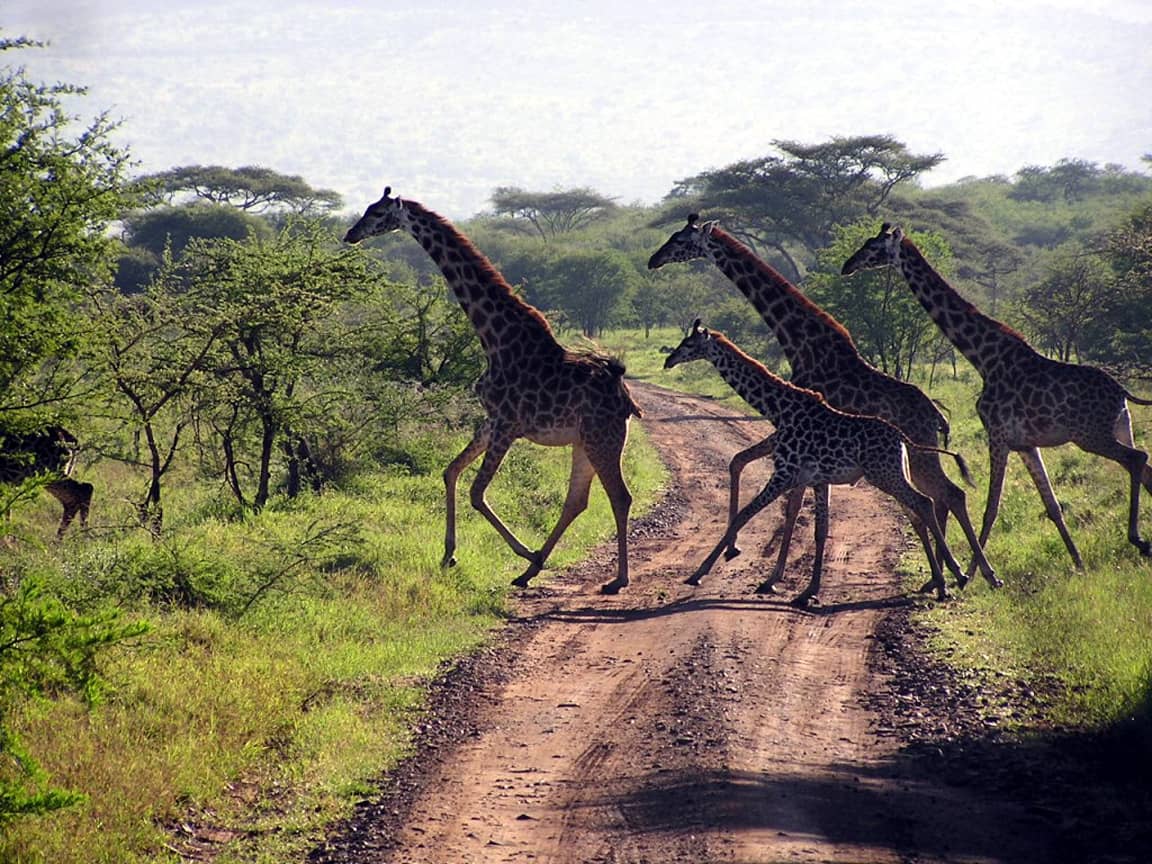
(694,346)
(385,215)
(879,251)
(685,245)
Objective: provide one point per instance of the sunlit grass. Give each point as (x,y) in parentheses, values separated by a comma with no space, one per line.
(1084,633)
(287,655)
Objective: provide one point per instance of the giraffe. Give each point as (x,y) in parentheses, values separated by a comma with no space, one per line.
(823,357)
(814,445)
(50,451)
(532,388)
(1028,401)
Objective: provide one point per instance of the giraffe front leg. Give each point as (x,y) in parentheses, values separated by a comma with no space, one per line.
(739,462)
(1035,465)
(791,512)
(468,455)
(823,496)
(497,450)
(777,485)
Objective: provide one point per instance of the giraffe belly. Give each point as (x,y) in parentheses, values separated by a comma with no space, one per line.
(558,437)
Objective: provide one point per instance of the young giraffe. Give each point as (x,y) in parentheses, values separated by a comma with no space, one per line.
(50,451)
(814,445)
(533,387)
(824,358)
(1028,401)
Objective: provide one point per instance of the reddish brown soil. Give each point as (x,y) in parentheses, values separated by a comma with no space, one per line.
(710,724)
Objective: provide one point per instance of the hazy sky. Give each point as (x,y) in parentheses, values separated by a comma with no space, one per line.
(445,100)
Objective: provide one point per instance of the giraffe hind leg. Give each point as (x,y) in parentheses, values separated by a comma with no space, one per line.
(576,502)
(606,458)
(1123,451)
(928,476)
(822,497)
(791,512)
(1034,462)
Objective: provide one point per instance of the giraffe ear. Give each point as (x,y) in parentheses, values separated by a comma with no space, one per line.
(885,228)
(898,232)
(696,326)
(693,218)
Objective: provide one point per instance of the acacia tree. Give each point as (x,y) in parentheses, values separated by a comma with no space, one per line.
(788,204)
(1124,337)
(150,347)
(60,187)
(251,188)
(276,302)
(1061,309)
(552,213)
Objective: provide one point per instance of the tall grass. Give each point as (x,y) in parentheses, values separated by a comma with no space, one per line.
(287,655)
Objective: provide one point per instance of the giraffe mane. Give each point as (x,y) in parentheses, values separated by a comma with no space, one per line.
(487,270)
(969,308)
(749,360)
(770,273)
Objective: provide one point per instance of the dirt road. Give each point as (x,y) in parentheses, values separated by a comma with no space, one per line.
(672,724)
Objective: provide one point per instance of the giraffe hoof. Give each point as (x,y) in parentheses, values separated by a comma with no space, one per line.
(732,552)
(694,579)
(1145,548)
(926,587)
(612,587)
(804,601)
(767,587)
(447,561)
(521,581)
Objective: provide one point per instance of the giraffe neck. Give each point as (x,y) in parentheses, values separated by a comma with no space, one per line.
(768,393)
(809,336)
(987,343)
(506,325)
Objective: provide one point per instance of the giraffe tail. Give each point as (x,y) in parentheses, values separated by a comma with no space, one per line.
(960,462)
(942,420)
(1136,399)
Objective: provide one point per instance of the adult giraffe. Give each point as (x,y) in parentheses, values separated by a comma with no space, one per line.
(533,387)
(815,445)
(824,358)
(1028,400)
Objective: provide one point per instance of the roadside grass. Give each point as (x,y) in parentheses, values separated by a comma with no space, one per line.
(1081,637)
(287,656)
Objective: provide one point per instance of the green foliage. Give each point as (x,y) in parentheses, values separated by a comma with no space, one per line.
(889,326)
(60,187)
(45,650)
(591,289)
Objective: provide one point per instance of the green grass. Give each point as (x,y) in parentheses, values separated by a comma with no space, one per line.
(1084,634)
(288,652)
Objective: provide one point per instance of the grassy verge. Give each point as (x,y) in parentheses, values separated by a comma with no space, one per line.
(1082,636)
(286,655)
